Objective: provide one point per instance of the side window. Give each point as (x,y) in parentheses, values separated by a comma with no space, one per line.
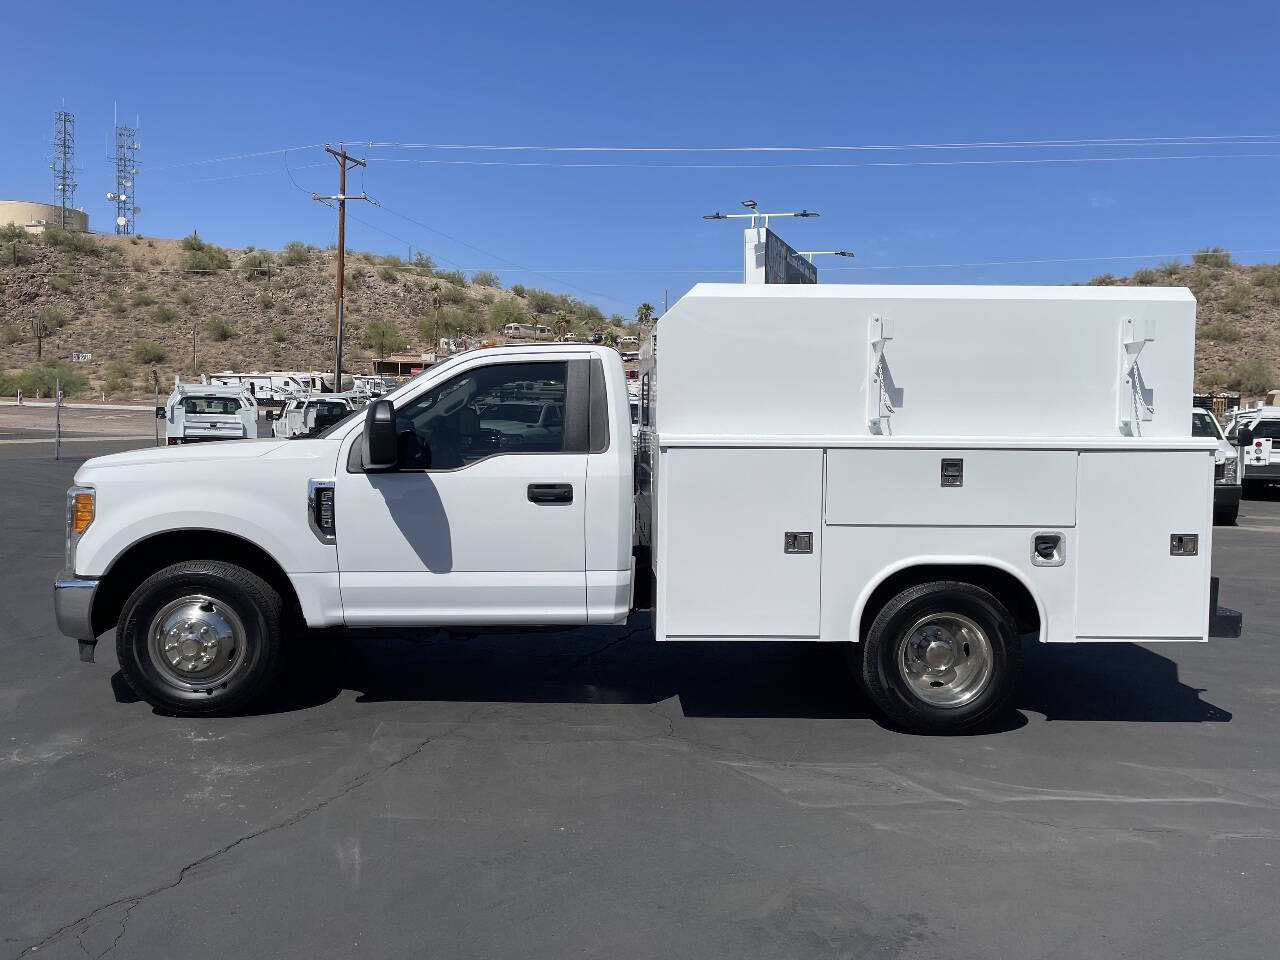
(501,408)
(644,401)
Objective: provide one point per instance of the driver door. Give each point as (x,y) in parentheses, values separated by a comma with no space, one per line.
(484,522)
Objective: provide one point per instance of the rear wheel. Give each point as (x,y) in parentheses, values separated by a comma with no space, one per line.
(941,657)
(201,637)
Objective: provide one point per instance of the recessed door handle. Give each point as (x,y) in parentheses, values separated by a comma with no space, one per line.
(551,493)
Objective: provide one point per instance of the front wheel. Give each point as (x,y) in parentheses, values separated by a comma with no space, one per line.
(941,657)
(201,637)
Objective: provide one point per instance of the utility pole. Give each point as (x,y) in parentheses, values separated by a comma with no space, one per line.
(344,163)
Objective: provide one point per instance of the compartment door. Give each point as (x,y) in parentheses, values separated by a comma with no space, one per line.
(725,570)
(1128,586)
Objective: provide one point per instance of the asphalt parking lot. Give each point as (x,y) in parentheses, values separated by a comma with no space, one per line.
(595,794)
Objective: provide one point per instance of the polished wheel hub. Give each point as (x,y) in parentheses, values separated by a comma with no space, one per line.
(196,641)
(946,659)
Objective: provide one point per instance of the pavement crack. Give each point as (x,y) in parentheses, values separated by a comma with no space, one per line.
(601,649)
(134,900)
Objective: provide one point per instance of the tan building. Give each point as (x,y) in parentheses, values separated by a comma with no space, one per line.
(36,216)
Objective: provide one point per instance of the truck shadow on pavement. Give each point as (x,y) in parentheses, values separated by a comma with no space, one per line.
(1109,683)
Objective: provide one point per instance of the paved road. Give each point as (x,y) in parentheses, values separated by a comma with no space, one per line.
(595,794)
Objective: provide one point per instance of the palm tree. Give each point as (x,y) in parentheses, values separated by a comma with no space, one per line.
(644,313)
(562,323)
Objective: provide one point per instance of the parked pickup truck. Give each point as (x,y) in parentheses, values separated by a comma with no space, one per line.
(198,412)
(1226,467)
(873,498)
(309,414)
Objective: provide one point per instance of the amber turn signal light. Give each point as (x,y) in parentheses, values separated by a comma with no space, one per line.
(81,512)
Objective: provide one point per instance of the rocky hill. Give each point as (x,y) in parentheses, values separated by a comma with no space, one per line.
(138,305)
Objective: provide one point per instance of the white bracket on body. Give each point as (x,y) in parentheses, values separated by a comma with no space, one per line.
(1135,401)
(879,407)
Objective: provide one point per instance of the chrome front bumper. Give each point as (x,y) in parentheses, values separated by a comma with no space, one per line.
(73,609)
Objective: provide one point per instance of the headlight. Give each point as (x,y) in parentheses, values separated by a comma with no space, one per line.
(81,503)
(1230,470)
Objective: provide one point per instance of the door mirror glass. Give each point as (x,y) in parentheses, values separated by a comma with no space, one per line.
(381,448)
(1244,437)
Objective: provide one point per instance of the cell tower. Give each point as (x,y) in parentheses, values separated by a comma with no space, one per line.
(124,195)
(64,162)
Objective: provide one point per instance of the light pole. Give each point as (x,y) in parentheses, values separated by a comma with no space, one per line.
(810,254)
(753,238)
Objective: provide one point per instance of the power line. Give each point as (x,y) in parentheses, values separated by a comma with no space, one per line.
(817,166)
(972,145)
(509,263)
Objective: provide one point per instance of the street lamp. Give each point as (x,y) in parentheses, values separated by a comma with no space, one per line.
(754,215)
(810,254)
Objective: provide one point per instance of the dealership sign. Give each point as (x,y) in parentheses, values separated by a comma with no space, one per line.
(783,265)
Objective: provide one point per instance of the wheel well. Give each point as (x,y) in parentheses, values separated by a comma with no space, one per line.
(154,553)
(1007,588)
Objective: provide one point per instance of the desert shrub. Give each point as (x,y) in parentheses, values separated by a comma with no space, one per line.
(203,257)
(186,297)
(1213,378)
(542,301)
(295,253)
(1222,331)
(1145,277)
(424,264)
(483,278)
(60,283)
(1103,280)
(219,330)
(390,260)
(1267,276)
(1170,267)
(355,278)
(42,379)
(506,311)
(1199,283)
(382,338)
(278,334)
(452,295)
(1211,257)
(115,304)
(119,376)
(453,323)
(163,313)
(148,351)
(519,290)
(10,334)
(255,263)
(1237,299)
(10,232)
(387,274)
(266,300)
(1252,376)
(141,298)
(283,308)
(70,240)
(452,276)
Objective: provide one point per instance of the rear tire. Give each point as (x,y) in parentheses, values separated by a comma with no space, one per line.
(941,657)
(201,637)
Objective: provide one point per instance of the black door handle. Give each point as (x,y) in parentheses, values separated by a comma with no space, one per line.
(551,493)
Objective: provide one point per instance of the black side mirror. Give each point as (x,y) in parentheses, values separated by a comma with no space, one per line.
(1244,437)
(381,449)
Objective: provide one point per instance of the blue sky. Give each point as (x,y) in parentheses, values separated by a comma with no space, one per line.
(227,79)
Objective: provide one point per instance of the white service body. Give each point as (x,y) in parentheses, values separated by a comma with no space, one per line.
(201,412)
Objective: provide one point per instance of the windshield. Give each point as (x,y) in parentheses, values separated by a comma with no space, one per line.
(1265,429)
(514,412)
(1203,425)
(213,405)
(331,408)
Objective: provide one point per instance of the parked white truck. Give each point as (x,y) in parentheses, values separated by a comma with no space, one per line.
(883,494)
(200,412)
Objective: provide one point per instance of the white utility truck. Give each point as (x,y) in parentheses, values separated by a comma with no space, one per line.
(310,414)
(1255,431)
(953,468)
(199,412)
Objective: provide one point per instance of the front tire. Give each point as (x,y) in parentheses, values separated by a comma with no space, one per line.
(201,637)
(941,657)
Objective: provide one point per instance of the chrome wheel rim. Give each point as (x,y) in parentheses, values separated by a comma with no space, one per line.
(196,642)
(945,659)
